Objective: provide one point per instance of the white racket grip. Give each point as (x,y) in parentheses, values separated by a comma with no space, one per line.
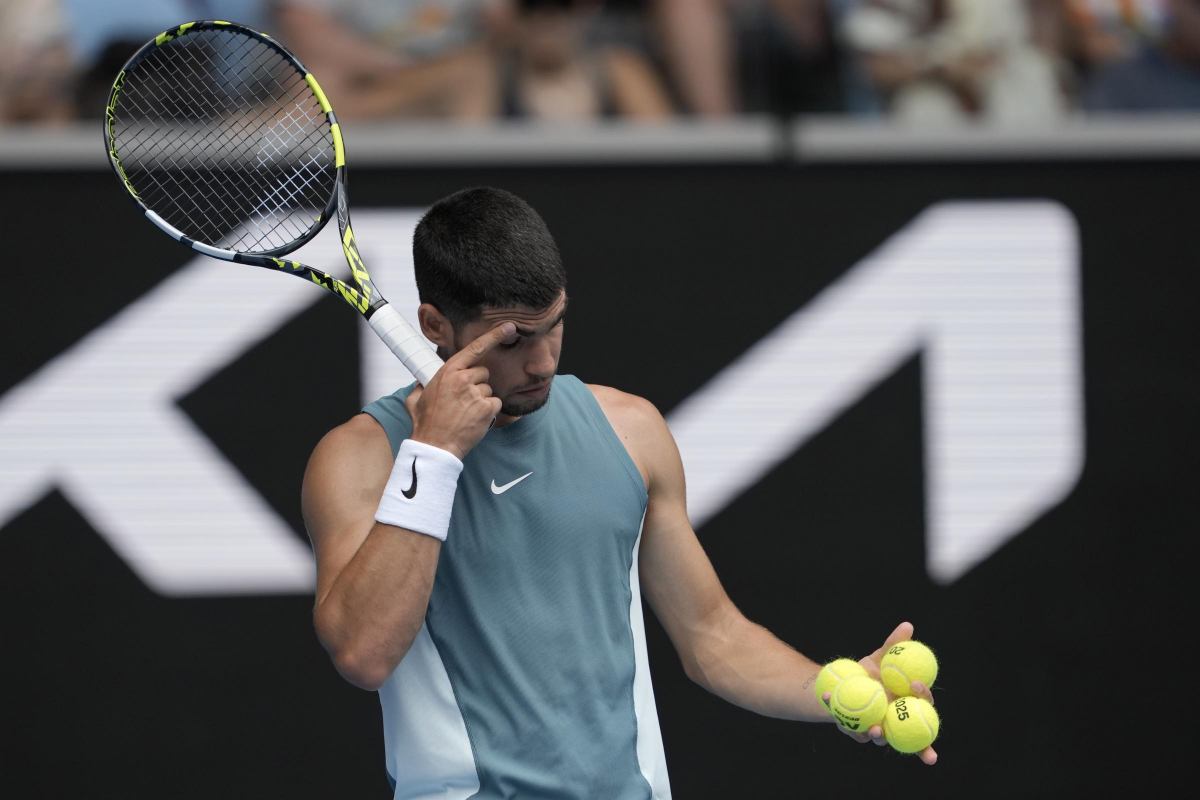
(408,345)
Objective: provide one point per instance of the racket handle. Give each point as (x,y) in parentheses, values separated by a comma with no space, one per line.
(408,345)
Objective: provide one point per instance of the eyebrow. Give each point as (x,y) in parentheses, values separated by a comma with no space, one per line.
(531,332)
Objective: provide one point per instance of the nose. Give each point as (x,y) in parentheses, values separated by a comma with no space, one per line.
(541,362)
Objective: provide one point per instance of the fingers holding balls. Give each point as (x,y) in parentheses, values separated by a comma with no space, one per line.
(910,724)
(896,710)
(858,703)
(834,673)
(905,662)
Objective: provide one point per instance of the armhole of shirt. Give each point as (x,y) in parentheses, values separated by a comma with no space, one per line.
(600,421)
(389,411)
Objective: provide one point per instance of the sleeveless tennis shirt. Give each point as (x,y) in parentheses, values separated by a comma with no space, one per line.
(529,676)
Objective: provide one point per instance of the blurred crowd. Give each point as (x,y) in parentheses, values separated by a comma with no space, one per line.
(922,61)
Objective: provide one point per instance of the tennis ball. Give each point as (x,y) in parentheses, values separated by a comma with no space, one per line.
(834,673)
(910,724)
(905,662)
(858,702)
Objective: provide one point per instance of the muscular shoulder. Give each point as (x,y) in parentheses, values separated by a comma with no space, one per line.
(359,434)
(627,412)
(353,457)
(639,426)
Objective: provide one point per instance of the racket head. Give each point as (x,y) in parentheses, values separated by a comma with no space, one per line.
(225,140)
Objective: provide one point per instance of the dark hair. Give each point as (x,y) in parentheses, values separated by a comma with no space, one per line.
(485,247)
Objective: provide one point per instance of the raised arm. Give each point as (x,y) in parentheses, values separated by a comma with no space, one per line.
(374,579)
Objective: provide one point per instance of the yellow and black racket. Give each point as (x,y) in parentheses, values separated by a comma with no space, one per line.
(229,146)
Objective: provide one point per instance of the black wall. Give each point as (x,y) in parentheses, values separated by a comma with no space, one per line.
(1053,651)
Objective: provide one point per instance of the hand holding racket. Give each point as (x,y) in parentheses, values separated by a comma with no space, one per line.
(229,146)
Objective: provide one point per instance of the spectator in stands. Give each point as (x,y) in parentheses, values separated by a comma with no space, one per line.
(401,58)
(940,61)
(1091,34)
(1162,75)
(697,43)
(1100,32)
(36,68)
(787,59)
(103,34)
(752,56)
(553,72)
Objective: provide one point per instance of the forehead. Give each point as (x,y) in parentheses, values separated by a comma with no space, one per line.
(523,316)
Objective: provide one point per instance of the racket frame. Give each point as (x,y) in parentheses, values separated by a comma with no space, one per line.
(388,323)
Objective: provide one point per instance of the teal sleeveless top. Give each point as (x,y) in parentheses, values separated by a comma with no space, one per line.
(529,676)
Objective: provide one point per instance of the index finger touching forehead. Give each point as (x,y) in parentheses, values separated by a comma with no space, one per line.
(500,333)
(529,321)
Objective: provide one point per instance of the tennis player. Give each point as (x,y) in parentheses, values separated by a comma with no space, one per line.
(482,544)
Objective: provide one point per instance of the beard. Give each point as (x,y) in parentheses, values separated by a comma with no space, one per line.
(511,406)
(519,407)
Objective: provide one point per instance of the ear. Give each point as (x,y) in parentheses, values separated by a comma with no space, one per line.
(436,326)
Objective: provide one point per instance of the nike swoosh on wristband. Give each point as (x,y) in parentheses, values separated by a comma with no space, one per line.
(411,491)
(502,489)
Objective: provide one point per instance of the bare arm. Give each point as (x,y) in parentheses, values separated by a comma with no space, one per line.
(374,580)
(699,50)
(365,80)
(636,89)
(720,649)
(328,47)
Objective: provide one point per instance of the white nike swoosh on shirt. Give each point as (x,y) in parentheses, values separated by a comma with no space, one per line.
(502,489)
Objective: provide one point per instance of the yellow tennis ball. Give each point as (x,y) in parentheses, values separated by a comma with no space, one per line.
(834,673)
(905,662)
(858,702)
(910,724)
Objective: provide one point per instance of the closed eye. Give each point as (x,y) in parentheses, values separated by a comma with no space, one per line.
(526,333)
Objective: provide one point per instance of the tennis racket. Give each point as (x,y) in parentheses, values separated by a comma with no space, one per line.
(228,145)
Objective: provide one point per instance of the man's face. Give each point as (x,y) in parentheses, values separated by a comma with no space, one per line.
(520,372)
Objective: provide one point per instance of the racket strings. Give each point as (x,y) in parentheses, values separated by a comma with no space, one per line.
(264,218)
(222,137)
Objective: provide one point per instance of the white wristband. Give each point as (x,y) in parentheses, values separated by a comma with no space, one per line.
(419,495)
